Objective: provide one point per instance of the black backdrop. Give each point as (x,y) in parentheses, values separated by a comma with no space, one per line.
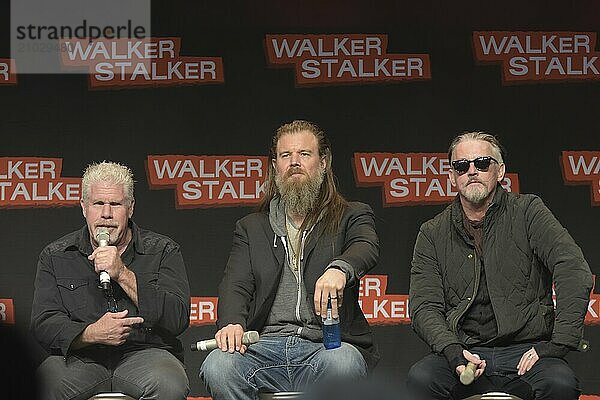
(57,116)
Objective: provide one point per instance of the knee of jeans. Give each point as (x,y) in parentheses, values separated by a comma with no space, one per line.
(218,366)
(166,388)
(419,376)
(562,384)
(168,383)
(345,361)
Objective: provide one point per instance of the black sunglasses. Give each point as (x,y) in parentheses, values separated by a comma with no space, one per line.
(481,163)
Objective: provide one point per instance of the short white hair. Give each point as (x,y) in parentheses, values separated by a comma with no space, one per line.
(107,172)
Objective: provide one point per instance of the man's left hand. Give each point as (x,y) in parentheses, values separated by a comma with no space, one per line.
(330,284)
(528,359)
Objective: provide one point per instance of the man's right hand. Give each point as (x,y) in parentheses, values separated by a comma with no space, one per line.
(474,358)
(229,338)
(111,329)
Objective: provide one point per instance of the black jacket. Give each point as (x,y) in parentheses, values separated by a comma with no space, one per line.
(67,298)
(526,250)
(256,263)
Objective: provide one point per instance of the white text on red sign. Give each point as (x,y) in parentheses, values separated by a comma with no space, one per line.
(36,182)
(344,58)
(583,168)
(539,56)
(412,178)
(209,181)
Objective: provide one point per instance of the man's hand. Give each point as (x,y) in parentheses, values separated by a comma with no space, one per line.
(111,329)
(331,283)
(107,258)
(229,338)
(528,359)
(474,358)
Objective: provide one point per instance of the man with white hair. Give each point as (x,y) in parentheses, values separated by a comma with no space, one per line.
(119,336)
(481,288)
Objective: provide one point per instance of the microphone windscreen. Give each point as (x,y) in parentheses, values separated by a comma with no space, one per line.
(250,337)
(102,236)
(468,375)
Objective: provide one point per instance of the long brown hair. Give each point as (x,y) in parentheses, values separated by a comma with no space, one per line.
(329,201)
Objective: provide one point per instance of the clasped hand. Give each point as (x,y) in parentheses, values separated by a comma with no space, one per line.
(473,358)
(107,258)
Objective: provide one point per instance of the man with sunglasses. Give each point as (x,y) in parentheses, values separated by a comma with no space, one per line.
(481,285)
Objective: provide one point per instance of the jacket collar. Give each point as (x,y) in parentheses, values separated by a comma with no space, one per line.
(277,216)
(497,203)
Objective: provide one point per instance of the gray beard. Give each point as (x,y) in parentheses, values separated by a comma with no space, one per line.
(299,197)
(476,196)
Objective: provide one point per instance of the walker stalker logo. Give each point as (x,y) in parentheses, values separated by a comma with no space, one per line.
(8,72)
(583,168)
(344,58)
(7,312)
(36,182)
(122,63)
(412,178)
(209,181)
(539,56)
(381,308)
(203,310)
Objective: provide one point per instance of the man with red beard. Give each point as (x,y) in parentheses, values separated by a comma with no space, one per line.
(304,246)
(118,336)
(481,288)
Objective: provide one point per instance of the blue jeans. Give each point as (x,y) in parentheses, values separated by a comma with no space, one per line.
(277,364)
(142,374)
(549,378)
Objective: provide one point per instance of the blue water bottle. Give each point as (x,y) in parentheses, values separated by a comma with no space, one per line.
(331,330)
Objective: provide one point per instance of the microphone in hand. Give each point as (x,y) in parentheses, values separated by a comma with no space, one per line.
(102,237)
(248,338)
(468,375)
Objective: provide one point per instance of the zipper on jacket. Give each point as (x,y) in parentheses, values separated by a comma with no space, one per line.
(287,257)
(299,280)
(475,287)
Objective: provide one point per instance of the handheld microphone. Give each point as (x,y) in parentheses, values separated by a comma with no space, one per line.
(248,338)
(468,375)
(103,237)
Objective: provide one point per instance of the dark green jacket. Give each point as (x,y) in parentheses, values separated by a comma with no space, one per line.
(526,250)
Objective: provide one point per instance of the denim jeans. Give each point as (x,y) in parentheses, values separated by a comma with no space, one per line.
(142,374)
(277,364)
(549,378)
